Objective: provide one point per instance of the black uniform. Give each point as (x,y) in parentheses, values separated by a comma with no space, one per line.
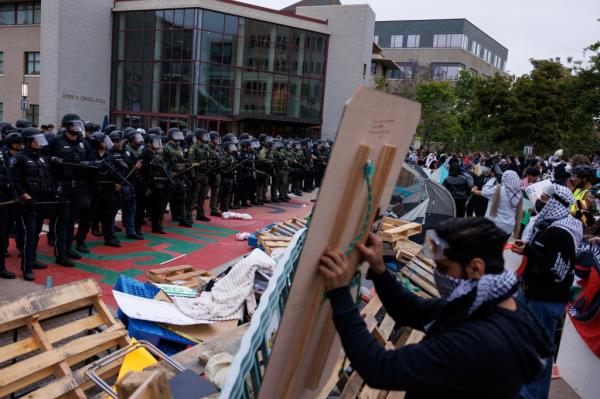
(32,175)
(7,193)
(70,179)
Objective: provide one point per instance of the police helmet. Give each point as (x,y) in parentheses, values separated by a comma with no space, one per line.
(134,137)
(201,134)
(110,128)
(91,127)
(246,143)
(229,146)
(190,137)
(31,134)
(214,136)
(5,127)
(98,138)
(231,137)
(155,140)
(175,134)
(244,136)
(115,135)
(155,130)
(14,138)
(262,137)
(22,124)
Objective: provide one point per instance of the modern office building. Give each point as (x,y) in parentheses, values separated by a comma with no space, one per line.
(220,64)
(443,46)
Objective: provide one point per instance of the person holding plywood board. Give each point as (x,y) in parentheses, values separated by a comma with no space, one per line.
(480,342)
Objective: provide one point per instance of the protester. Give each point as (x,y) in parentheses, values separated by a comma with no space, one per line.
(480,342)
(549,243)
(505,205)
(532,176)
(459,186)
(477,205)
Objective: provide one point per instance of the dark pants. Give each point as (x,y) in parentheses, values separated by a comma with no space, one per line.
(460,207)
(141,205)
(201,188)
(4,211)
(247,189)
(178,197)
(157,202)
(319,174)
(31,222)
(284,185)
(103,206)
(215,186)
(261,186)
(549,315)
(226,193)
(72,198)
(127,203)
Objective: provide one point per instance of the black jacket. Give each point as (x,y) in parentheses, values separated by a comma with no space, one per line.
(458,186)
(489,355)
(550,266)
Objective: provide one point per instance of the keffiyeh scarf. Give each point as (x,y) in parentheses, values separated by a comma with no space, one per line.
(556,214)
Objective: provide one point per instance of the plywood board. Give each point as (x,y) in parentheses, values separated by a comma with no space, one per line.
(372,119)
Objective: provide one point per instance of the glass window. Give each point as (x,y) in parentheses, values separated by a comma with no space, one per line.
(373,68)
(1,65)
(213,21)
(7,14)
(396,41)
(33,114)
(376,39)
(32,63)
(455,40)
(404,72)
(446,71)
(231,25)
(24,13)
(412,41)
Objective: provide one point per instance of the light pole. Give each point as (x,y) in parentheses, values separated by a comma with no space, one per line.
(24,95)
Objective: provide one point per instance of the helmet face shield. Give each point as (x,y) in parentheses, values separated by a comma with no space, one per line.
(177,136)
(205,138)
(232,147)
(256,145)
(156,143)
(108,143)
(40,140)
(138,138)
(77,127)
(434,246)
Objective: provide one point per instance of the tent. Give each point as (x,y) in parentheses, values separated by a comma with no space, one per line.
(421,200)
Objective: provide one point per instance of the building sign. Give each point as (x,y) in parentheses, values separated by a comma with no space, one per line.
(87,99)
(24,105)
(527,150)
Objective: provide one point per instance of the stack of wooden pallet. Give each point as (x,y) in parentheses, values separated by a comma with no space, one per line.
(52,342)
(184,275)
(393,230)
(280,234)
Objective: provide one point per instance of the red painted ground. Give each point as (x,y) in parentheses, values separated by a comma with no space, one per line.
(205,246)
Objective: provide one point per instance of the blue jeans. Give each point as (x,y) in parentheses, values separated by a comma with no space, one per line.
(548,314)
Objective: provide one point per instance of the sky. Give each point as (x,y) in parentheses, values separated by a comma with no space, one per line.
(538,29)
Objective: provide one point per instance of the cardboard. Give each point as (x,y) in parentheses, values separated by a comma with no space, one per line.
(203,332)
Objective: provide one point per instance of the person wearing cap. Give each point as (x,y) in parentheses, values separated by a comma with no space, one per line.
(32,177)
(549,242)
(480,342)
(69,156)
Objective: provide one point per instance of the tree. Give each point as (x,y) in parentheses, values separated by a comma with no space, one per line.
(439,121)
(381,83)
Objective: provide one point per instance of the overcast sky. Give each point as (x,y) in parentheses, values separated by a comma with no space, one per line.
(528,28)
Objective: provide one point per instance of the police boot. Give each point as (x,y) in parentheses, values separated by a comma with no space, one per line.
(5,274)
(72,254)
(81,247)
(38,265)
(202,218)
(113,243)
(64,261)
(215,213)
(28,275)
(185,224)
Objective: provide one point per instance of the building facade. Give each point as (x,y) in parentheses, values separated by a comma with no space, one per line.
(219,64)
(444,47)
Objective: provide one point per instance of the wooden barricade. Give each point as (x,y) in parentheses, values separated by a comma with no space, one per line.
(52,358)
(393,230)
(184,275)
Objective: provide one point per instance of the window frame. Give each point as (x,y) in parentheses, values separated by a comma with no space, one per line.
(1,65)
(17,9)
(36,61)
(416,43)
(33,114)
(394,41)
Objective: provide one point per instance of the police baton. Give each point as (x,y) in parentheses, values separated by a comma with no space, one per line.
(7,203)
(109,166)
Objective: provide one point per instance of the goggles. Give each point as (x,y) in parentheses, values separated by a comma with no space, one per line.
(434,246)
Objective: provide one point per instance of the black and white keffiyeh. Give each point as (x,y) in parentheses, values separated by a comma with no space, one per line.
(489,288)
(556,214)
(512,184)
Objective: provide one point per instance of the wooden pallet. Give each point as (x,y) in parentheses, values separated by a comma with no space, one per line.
(50,361)
(420,272)
(406,249)
(393,230)
(280,235)
(184,275)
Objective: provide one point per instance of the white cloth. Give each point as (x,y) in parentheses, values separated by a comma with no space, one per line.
(505,215)
(235,215)
(226,300)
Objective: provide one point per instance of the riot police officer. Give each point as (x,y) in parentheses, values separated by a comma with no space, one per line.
(70,160)
(246,171)
(175,161)
(264,171)
(227,174)
(158,181)
(126,164)
(199,157)
(214,164)
(7,194)
(135,147)
(32,178)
